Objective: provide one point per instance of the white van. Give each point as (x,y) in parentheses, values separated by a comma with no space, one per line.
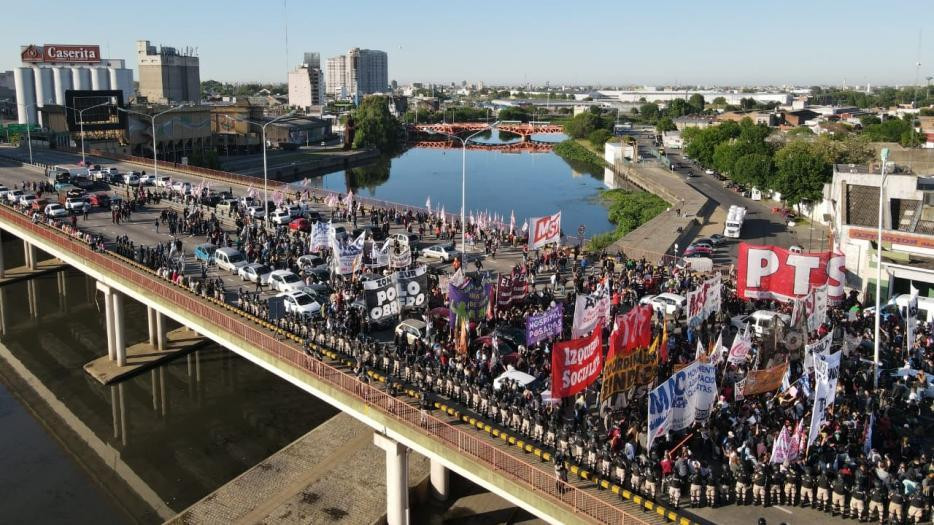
(762,321)
(925,306)
(229,259)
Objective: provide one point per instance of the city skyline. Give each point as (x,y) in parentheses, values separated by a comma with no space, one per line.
(803,44)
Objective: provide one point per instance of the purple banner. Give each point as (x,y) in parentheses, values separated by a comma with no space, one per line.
(545,325)
(469,301)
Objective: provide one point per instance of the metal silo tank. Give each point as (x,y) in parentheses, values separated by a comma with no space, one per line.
(100,78)
(62,79)
(25,94)
(81,78)
(45,87)
(123,82)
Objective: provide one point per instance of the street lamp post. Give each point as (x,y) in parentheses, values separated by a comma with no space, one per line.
(265,167)
(81,123)
(464,142)
(28,132)
(875,354)
(152,122)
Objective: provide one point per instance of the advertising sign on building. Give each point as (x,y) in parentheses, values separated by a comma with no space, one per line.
(61,54)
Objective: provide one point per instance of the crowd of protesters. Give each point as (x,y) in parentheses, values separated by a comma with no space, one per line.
(880,473)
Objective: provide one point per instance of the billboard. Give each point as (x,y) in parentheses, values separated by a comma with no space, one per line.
(61,54)
(102,118)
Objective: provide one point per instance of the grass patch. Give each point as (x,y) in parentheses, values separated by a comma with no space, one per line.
(627,210)
(572,150)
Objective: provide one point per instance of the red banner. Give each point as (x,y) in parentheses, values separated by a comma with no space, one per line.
(575,364)
(770,272)
(545,230)
(633,330)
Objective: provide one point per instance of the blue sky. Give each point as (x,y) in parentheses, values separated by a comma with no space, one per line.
(564,42)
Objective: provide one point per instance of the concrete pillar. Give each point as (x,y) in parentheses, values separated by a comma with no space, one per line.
(29,251)
(3,310)
(119,328)
(109,318)
(397,479)
(32,298)
(2,265)
(151,319)
(161,332)
(440,481)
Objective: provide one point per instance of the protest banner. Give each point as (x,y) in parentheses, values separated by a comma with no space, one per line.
(827,370)
(633,330)
(767,380)
(544,325)
(589,309)
(815,307)
(469,299)
(786,446)
(411,287)
(742,344)
(820,347)
(545,230)
(704,301)
(770,272)
(503,290)
(520,284)
(624,371)
(684,398)
(318,237)
(380,298)
(575,364)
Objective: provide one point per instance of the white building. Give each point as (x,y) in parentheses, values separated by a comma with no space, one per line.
(907,228)
(731,97)
(306,86)
(359,72)
(50,70)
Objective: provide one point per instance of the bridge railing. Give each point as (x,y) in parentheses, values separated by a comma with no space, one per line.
(226,318)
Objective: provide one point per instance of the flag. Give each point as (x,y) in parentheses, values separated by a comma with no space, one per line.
(525,226)
(305,182)
(786,380)
(867,434)
(663,347)
(912,315)
(512,222)
(717,351)
(349,199)
(428,204)
(700,353)
(742,344)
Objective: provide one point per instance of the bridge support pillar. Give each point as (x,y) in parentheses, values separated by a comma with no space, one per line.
(161,332)
(151,319)
(397,479)
(440,481)
(119,328)
(2,265)
(109,319)
(29,252)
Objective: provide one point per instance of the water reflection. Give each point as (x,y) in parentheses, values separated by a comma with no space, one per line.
(175,433)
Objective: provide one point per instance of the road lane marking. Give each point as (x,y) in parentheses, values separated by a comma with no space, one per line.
(783,509)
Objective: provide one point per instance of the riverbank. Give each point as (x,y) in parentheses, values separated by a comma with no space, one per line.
(572,151)
(627,210)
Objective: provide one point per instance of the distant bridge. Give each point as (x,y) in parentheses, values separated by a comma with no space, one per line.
(531,146)
(523,129)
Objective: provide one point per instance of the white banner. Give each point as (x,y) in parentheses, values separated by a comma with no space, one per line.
(683,399)
(401,259)
(545,230)
(589,309)
(820,347)
(347,255)
(815,305)
(742,344)
(704,301)
(827,369)
(318,237)
(379,255)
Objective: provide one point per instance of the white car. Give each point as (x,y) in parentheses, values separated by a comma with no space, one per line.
(3,190)
(13,196)
(293,211)
(76,203)
(27,199)
(182,187)
(280,217)
(229,259)
(412,329)
(163,181)
(147,180)
(440,252)
(254,272)
(255,212)
(671,305)
(300,303)
(285,281)
(131,178)
(55,210)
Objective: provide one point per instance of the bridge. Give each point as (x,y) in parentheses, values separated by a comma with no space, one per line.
(532,146)
(523,129)
(452,436)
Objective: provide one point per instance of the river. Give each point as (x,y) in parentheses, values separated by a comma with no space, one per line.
(75,451)
(527,184)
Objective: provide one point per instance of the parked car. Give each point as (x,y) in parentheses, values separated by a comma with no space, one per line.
(438,251)
(406,239)
(13,196)
(310,260)
(285,281)
(131,178)
(147,179)
(229,259)
(670,304)
(225,206)
(301,224)
(205,252)
(254,272)
(255,212)
(55,210)
(182,187)
(76,204)
(299,302)
(162,181)
(412,329)
(280,217)
(27,199)
(717,239)
(763,321)
(101,200)
(695,251)
(701,244)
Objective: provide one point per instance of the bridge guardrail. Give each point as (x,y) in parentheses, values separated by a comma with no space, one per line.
(538,480)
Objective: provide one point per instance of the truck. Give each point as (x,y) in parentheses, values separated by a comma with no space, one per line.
(734,221)
(76,171)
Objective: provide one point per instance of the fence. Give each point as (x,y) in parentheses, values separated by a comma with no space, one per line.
(538,480)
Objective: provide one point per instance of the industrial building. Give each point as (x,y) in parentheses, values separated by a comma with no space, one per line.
(168,75)
(306,84)
(49,71)
(359,72)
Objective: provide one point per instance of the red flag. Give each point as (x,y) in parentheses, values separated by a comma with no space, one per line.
(575,364)
(663,347)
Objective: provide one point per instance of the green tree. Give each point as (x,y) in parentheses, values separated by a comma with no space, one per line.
(375,126)
(514,113)
(868,120)
(649,111)
(801,170)
(719,101)
(599,137)
(890,130)
(665,124)
(696,102)
(747,103)
(754,169)
(677,108)
(800,131)
(582,125)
